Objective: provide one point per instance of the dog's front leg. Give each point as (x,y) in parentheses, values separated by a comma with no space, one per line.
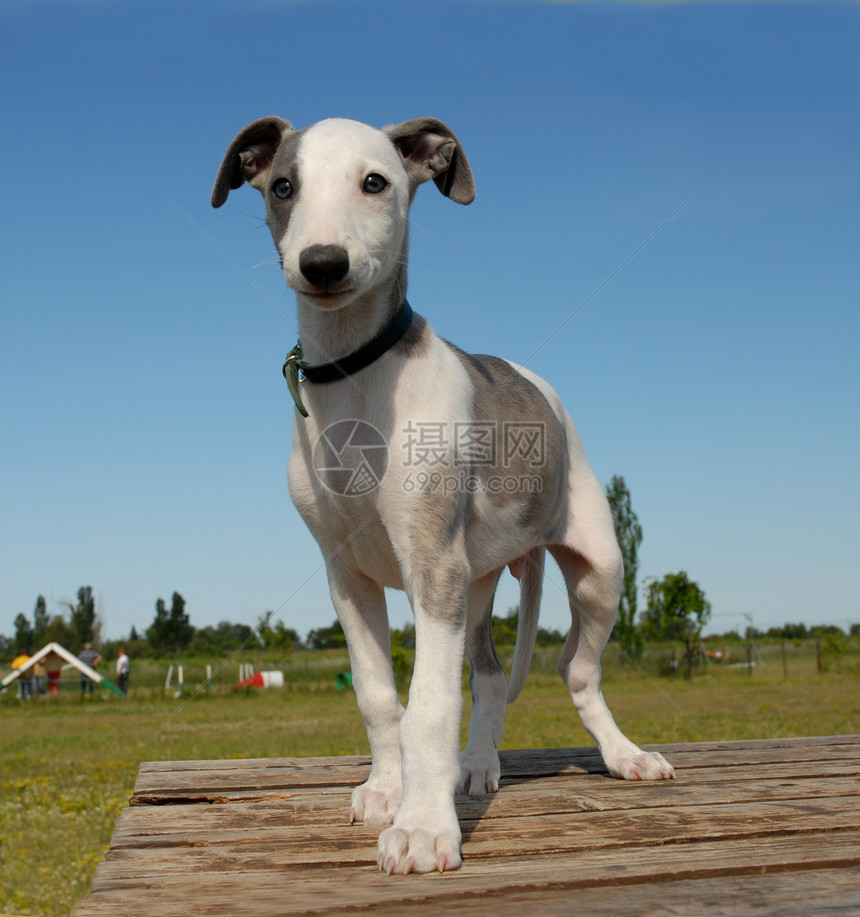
(425,836)
(360,606)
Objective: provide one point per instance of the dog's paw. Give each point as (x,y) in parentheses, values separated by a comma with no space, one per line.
(643,765)
(404,849)
(479,776)
(373,805)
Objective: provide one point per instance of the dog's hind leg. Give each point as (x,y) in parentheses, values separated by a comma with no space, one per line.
(360,606)
(479,763)
(590,562)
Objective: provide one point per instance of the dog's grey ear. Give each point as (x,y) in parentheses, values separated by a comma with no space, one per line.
(430,150)
(249,157)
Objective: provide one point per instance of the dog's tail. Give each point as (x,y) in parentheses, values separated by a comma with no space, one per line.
(531,587)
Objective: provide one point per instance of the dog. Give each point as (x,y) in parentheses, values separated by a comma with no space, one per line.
(419,467)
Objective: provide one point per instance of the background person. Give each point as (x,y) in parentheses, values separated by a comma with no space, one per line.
(39,678)
(54,682)
(92,658)
(25,686)
(122,669)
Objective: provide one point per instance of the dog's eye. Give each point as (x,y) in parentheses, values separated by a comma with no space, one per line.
(282,189)
(374,183)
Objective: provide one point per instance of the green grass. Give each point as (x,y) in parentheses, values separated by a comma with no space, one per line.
(67,766)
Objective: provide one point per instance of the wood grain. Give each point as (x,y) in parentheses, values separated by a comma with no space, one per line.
(766,826)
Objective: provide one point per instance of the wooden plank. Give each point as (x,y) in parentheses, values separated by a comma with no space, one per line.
(285,761)
(243,775)
(551,796)
(769,825)
(194,791)
(528,759)
(587,867)
(195,779)
(273,889)
(291,844)
(824,893)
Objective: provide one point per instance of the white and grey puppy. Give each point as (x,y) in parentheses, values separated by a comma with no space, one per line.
(470,464)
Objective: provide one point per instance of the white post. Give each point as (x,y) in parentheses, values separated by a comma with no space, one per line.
(169,676)
(180,682)
(209,677)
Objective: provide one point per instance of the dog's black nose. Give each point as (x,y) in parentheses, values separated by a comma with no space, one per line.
(322,265)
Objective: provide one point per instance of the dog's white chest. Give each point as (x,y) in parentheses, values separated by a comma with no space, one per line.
(348,526)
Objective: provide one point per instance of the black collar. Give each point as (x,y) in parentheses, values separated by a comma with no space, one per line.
(351,363)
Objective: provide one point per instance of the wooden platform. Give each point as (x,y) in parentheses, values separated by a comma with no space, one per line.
(763,827)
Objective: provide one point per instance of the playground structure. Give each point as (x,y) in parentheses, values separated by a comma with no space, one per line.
(52,656)
(186,678)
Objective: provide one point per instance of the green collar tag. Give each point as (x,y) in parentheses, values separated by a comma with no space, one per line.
(345,366)
(291,376)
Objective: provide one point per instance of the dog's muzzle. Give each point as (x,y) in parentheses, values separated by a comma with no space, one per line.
(324,265)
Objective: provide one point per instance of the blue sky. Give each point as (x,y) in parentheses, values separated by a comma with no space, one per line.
(145,424)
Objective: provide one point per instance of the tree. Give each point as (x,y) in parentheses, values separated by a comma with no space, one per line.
(278,636)
(157,632)
(23,633)
(41,631)
(170,631)
(405,637)
(504,627)
(41,622)
(628,532)
(82,619)
(226,637)
(326,638)
(677,610)
(58,630)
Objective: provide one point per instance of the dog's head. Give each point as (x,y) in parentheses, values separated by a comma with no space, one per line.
(338,193)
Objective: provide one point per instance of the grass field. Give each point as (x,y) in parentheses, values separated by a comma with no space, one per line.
(67,766)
